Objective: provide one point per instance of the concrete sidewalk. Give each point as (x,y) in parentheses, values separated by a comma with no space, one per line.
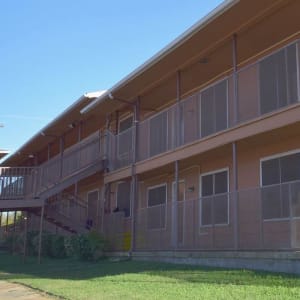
(9,291)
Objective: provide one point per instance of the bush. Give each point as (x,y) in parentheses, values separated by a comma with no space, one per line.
(57,246)
(72,246)
(89,246)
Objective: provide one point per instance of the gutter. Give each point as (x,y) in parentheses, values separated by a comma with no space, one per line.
(203,22)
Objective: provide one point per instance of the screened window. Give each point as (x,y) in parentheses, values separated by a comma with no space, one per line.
(278,80)
(158,133)
(125,137)
(214,109)
(277,190)
(125,124)
(123,197)
(157,197)
(214,200)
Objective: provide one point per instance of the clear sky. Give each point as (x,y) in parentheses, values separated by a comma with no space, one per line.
(53,51)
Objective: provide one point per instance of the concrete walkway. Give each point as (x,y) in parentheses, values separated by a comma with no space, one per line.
(9,291)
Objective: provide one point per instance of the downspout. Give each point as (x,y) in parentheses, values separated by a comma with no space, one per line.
(174,201)
(234,144)
(134,178)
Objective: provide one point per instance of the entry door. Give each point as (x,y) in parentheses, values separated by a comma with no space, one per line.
(93,207)
(180,211)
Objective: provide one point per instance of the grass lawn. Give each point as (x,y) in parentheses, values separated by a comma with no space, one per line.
(71,279)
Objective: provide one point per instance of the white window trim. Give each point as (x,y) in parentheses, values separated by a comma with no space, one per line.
(167,129)
(200,197)
(125,154)
(123,119)
(184,209)
(118,183)
(226,79)
(166,207)
(270,157)
(274,156)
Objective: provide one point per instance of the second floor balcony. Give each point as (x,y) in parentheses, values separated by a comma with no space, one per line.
(256,90)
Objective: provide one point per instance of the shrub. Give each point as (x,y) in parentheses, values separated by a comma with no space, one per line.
(91,246)
(57,246)
(72,246)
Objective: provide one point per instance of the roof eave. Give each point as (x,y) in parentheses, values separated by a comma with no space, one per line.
(219,10)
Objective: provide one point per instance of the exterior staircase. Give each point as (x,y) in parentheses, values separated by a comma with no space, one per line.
(30,188)
(66,212)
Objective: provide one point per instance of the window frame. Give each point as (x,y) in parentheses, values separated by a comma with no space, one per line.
(261,59)
(270,157)
(166,201)
(226,169)
(117,191)
(275,156)
(123,119)
(166,110)
(124,154)
(226,79)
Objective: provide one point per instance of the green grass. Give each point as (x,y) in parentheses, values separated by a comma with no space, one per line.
(71,279)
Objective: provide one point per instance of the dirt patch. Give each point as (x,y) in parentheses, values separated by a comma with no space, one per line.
(10,291)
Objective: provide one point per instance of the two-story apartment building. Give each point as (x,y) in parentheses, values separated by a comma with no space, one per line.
(198,149)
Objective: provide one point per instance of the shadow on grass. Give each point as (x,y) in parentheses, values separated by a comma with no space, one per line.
(12,268)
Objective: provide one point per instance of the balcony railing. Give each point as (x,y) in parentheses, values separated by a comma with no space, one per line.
(263,87)
(17,182)
(72,161)
(262,218)
(70,210)
(120,149)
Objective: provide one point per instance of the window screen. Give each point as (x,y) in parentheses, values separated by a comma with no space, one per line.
(214,109)
(156,217)
(123,197)
(214,201)
(277,191)
(157,195)
(125,137)
(158,133)
(125,124)
(278,80)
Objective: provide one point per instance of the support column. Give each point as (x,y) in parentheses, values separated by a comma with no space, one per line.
(234,145)
(235,196)
(235,80)
(25,236)
(40,234)
(14,232)
(79,132)
(61,150)
(179,138)
(107,153)
(6,229)
(117,122)
(134,177)
(175,207)
(48,151)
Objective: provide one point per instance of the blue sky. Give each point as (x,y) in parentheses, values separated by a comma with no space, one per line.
(53,51)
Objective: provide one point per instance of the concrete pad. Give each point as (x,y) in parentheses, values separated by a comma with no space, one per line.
(9,291)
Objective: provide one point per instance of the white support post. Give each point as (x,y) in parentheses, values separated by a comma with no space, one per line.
(40,234)
(175,207)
